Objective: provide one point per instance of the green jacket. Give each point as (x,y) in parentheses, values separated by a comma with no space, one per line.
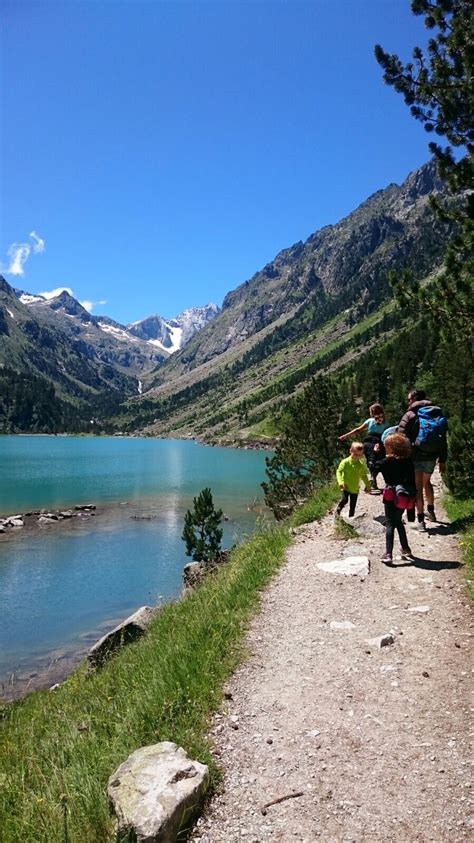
(350,472)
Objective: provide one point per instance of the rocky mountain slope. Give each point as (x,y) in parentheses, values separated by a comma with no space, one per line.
(336,266)
(316,306)
(86,364)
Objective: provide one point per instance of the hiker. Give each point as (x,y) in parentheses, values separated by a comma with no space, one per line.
(425,426)
(350,472)
(374,452)
(399,494)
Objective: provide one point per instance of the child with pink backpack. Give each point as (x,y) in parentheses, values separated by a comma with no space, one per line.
(400,492)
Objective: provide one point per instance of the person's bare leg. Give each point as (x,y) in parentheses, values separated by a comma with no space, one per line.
(428,489)
(419,475)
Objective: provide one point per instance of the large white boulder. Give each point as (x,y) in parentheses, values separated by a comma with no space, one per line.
(350,566)
(156,792)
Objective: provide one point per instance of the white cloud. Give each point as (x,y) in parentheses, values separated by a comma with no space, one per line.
(51,294)
(18,254)
(89,305)
(39,244)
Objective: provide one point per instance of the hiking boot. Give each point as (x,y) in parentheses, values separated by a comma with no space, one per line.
(407,554)
(431,515)
(373,485)
(387,559)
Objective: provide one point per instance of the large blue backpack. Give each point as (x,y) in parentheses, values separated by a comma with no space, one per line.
(432,429)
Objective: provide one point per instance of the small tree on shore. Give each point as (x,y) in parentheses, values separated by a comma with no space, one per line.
(202,533)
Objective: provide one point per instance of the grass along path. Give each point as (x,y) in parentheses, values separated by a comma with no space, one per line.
(58,749)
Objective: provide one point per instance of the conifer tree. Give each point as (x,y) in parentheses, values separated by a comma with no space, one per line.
(439,89)
(202,533)
(308,449)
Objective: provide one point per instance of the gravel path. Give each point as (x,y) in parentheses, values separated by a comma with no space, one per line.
(372,742)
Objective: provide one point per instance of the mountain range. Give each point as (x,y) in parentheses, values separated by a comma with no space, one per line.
(225,374)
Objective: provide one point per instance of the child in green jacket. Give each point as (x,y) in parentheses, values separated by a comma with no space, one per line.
(350,472)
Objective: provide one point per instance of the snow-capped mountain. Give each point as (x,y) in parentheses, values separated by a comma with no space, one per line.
(165,335)
(172,334)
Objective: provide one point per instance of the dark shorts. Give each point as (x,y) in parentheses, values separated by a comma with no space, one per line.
(426,466)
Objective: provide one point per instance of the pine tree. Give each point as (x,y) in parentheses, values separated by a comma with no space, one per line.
(439,89)
(201,532)
(308,449)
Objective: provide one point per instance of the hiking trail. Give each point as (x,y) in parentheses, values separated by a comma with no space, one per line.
(325,736)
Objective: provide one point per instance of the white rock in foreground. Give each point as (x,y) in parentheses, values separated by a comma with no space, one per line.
(156,792)
(419,609)
(342,625)
(356,566)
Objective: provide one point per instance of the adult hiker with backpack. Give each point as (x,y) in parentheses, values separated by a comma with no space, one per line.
(424,424)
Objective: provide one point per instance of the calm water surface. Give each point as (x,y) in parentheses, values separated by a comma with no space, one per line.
(63,584)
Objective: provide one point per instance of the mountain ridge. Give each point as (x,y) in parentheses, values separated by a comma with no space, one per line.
(303,312)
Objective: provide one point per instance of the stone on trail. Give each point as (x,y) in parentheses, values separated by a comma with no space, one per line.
(365,524)
(156,792)
(342,625)
(352,550)
(381,640)
(355,566)
(421,610)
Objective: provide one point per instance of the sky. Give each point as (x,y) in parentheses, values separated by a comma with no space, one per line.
(155,155)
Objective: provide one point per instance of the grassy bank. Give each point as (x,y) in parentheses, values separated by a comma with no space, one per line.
(58,749)
(461,514)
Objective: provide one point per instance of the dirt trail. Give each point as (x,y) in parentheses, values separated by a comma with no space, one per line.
(375,740)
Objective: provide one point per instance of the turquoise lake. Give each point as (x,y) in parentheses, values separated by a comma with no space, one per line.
(63,585)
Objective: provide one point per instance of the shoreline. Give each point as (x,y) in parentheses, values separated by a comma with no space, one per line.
(54,667)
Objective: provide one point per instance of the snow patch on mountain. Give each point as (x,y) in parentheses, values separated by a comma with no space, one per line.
(28,298)
(118,333)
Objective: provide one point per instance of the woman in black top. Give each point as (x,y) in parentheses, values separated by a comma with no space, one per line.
(399,475)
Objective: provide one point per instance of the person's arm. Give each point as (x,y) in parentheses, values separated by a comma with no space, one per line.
(411,475)
(384,470)
(406,423)
(359,429)
(443,455)
(340,476)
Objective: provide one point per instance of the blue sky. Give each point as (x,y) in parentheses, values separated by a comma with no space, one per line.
(163,152)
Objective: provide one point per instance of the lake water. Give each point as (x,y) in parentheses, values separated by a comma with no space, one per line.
(64,584)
